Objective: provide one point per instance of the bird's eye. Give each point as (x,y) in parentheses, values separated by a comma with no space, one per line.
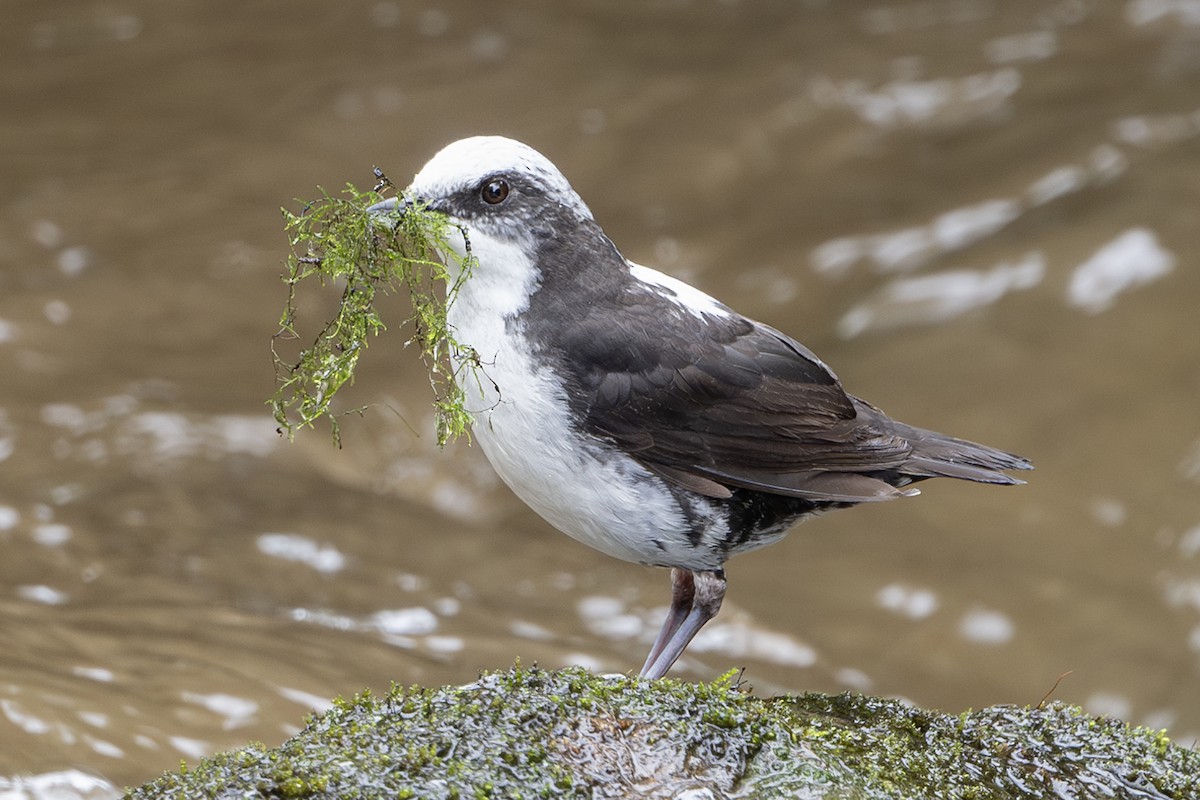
(494,192)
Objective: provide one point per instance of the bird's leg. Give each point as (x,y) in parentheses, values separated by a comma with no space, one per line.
(683,593)
(707,592)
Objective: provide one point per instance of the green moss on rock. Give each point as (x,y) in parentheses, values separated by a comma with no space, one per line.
(532,733)
(882,748)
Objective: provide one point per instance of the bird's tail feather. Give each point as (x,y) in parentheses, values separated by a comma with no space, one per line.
(936,455)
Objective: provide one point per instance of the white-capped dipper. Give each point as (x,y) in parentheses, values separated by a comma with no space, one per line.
(637,414)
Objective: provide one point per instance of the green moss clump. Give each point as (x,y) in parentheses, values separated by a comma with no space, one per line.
(523,733)
(531,733)
(335,239)
(886,749)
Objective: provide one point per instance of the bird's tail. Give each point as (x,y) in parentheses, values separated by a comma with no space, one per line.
(936,455)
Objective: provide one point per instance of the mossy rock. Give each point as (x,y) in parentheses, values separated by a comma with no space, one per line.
(532,733)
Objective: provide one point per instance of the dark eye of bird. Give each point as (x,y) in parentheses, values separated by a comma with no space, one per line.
(494,192)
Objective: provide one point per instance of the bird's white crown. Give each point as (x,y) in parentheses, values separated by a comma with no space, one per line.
(466,163)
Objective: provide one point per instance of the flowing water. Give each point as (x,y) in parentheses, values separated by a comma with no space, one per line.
(982,214)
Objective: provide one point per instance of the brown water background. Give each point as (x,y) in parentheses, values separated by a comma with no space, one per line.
(983,215)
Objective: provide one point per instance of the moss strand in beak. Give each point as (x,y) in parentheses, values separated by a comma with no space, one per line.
(336,239)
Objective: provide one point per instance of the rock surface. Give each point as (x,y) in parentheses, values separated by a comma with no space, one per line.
(532,733)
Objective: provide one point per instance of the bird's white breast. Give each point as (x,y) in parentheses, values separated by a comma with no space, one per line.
(592,492)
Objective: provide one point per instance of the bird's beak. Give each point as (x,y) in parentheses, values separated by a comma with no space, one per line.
(387,207)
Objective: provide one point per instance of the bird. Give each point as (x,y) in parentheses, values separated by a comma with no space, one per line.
(636,413)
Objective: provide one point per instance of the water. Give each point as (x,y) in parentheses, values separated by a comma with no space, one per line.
(981,214)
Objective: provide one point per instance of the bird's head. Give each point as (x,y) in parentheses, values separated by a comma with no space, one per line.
(501,191)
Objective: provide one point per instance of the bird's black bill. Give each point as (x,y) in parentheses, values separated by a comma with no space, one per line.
(393,206)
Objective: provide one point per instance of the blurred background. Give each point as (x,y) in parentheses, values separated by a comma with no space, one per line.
(983,215)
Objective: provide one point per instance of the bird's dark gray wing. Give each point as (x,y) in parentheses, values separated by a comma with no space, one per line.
(716,403)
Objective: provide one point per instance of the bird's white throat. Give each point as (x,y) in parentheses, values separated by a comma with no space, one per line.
(522,423)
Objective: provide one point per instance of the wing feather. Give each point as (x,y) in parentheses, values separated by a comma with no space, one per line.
(712,403)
